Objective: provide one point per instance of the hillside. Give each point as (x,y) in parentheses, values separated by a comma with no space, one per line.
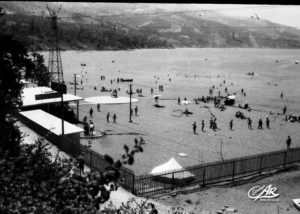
(108,26)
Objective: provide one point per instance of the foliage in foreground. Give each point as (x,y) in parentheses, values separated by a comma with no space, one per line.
(14,60)
(32,182)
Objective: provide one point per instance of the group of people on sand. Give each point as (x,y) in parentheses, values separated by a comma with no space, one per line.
(212,122)
(88,127)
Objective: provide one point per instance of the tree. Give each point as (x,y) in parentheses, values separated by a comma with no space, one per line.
(12,55)
(54,186)
(40,71)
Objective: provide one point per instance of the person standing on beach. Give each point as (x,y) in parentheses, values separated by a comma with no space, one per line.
(202,125)
(194,127)
(249,123)
(81,164)
(288,142)
(98,107)
(178,100)
(281,95)
(260,123)
(136,110)
(114,118)
(91,112)
(92,128)
(231,124)
(211,121)
(84,120)
(107,117)
(284,110)
(268,122)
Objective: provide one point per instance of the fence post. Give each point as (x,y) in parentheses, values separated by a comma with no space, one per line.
(203,177)
(172,183)
(133,180)
(91,158)
(260,164)
(233,170)
(284,160)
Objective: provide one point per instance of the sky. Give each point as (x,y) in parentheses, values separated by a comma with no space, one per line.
(283,14)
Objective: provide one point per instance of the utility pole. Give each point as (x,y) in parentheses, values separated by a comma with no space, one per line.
(130,93)
(62,118)
(75,84)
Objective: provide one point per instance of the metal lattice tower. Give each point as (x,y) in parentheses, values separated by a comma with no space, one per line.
(55,63)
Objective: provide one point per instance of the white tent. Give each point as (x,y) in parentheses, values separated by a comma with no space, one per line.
(232,97)
(186,102)
(157,95)
(172,170)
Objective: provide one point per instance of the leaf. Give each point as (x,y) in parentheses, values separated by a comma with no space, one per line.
(109,159)
(130,160)
(118,164)
(126,148)
(140,149)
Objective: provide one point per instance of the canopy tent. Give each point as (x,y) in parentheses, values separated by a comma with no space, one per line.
(172,172)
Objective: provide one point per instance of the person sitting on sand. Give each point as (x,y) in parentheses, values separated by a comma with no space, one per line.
(186,111)
(153,209)
(142,141)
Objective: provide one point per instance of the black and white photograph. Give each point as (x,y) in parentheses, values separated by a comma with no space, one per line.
(149,107)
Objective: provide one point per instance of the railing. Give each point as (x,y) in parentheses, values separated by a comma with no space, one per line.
(216,172)
(97,162)
(203,174)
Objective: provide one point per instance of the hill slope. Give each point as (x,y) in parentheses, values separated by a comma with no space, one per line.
(128,26)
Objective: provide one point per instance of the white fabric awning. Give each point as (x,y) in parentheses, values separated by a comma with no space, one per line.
(170,166)
(186,102)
